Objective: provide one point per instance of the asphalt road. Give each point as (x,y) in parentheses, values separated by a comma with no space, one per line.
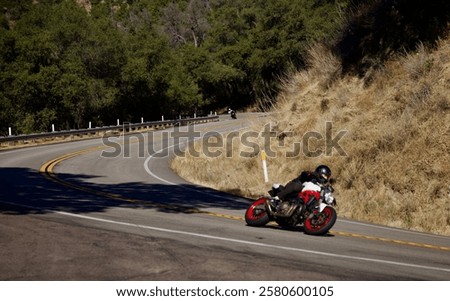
(113,210)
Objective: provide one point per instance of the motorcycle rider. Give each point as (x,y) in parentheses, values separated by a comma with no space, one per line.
(321,175)
(232,113)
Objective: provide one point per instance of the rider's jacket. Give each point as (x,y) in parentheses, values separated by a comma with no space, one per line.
(309,176)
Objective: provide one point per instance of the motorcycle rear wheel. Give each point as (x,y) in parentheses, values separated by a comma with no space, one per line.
(321,223)
(256,215)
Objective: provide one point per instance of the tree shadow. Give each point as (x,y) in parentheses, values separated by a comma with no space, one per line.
(27,191)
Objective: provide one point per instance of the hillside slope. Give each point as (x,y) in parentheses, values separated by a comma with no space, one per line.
(392,160)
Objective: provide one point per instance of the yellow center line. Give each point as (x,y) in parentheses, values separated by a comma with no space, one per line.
(47,170)
(396,241)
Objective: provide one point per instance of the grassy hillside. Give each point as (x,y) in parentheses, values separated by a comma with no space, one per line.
(396,119)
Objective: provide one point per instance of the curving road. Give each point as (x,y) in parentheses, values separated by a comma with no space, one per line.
(113,210)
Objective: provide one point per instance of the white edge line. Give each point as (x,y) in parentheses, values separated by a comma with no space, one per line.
(244,242)
(152,174)
(256,243)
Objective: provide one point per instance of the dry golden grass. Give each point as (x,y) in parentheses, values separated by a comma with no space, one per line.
(397,167)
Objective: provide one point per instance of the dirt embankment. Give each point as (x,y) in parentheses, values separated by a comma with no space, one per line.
(386,136)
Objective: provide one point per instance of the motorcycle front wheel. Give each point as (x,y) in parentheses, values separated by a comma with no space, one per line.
(256,214)
(321,223)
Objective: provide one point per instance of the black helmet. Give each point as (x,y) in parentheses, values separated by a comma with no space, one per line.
(324,172)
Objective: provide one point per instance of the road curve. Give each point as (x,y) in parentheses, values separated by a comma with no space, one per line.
(113,210)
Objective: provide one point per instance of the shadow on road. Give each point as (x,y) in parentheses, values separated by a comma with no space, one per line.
(26,191)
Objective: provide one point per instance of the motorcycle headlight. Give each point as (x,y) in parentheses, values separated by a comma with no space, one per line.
(329,198)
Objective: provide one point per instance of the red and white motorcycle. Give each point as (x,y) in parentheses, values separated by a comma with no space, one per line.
(311,208)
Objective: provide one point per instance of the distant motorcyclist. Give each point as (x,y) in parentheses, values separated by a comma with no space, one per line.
(321,175)
(232,113)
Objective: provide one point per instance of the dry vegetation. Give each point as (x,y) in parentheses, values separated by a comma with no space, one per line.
(397,119)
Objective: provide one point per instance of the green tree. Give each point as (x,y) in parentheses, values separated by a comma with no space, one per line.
(65,64)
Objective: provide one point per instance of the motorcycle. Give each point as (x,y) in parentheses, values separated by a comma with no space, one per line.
(311,208)
(232,113)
